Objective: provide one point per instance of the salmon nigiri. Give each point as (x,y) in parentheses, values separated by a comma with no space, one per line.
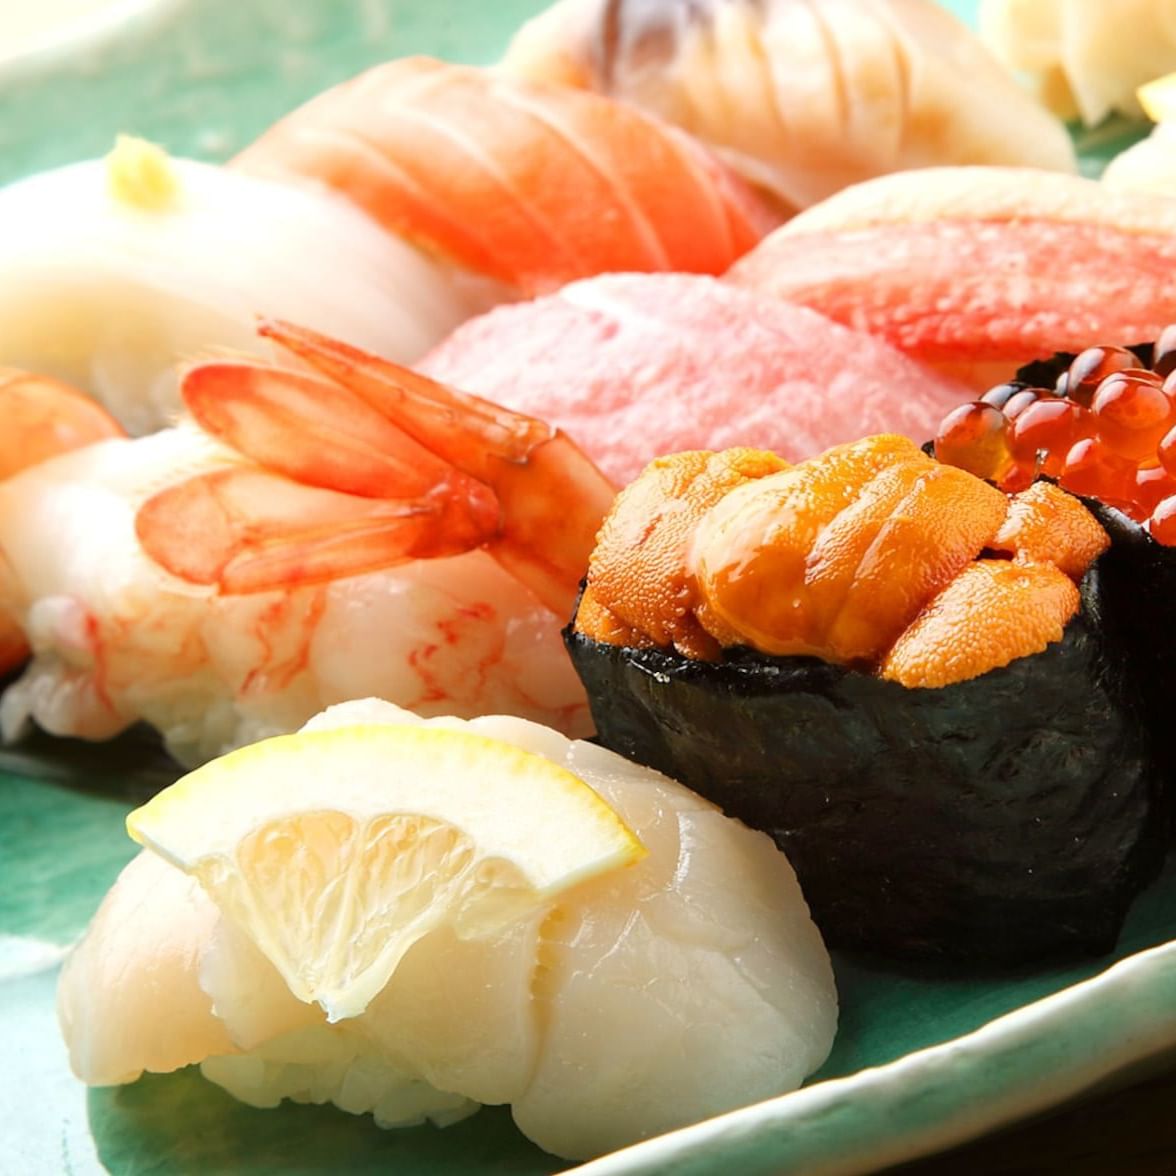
(979,270)
(532,185)
(637,365)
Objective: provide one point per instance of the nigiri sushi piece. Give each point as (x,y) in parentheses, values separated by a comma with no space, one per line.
(1150,164)
(635,365)
(530,185)
(978,270)
(898,671)
(1085,58)
(801,99)
(114,271)
(303,540)
(530,920)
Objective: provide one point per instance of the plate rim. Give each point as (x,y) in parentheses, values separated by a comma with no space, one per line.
(1127,1014)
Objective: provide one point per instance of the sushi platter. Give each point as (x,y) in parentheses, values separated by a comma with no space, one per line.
(583,585)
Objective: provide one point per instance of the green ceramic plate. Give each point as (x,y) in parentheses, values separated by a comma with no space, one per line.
(922,1059)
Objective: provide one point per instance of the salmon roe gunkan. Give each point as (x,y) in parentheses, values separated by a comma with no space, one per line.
(1106,430)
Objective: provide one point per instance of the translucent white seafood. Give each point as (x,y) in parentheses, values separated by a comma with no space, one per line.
(1147,166)
(371,533)
(113,271)
(688,984)
(1085,58)
(802,98)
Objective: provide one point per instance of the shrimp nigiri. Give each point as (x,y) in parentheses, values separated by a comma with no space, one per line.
(304,540)
(531,185)
(113,271)
(647,996)
(800,98)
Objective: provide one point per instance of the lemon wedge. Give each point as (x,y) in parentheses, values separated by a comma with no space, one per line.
(336,850)
(1158,98)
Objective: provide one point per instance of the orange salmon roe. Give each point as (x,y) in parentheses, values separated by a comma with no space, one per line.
(1152,485)
(1133,413)
(1093,469)
(1107,430)
(1091,367)
(1049,428)
(1164,359)
(974,437)
(1162,523)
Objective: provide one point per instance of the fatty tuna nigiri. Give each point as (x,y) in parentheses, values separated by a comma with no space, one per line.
(637,365)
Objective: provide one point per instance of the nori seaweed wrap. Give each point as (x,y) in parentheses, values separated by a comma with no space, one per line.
(1137,574)
(1008,816)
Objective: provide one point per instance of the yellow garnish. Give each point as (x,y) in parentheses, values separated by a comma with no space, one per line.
(335,851)
(1158,98)
(141,175)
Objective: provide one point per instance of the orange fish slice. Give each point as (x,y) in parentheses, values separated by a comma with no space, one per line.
(978,270)
(532,185)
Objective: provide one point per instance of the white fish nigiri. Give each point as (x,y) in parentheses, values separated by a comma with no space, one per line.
(113,271)
(801,98)
(650,997)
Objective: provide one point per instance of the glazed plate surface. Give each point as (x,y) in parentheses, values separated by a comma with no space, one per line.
(923,1059)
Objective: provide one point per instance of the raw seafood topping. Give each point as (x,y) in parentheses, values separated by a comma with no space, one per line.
(871,555)
(1106,430)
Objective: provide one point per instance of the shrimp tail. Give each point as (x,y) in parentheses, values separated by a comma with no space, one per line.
(362,464)
(553,498)
(246,530)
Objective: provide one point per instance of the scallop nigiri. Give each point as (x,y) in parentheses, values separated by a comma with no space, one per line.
(113,271)
(978,270)
(654,962)
(311,539)
(531,185)
(634,366)
(800,98)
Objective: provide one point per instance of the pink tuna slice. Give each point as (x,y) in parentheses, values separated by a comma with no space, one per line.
(978,270)
(634,366)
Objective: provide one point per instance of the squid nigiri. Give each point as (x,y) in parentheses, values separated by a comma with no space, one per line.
(800,98)
(1150,164)
(1085,58)
(531,185)
(305,539)
(637,365)
(649,995)
(978,270)
(113,271)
